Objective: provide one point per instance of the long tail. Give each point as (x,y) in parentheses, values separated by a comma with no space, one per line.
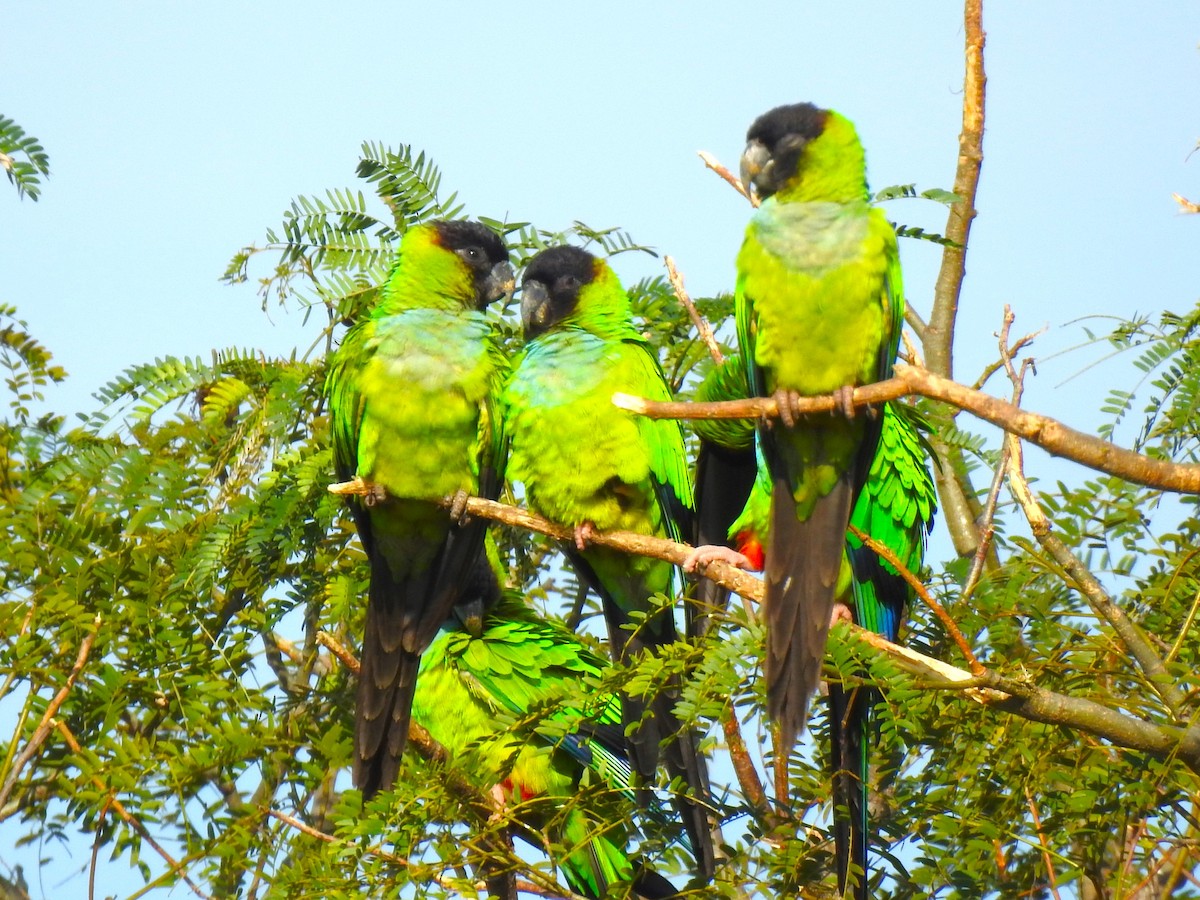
(403,615)
(803,562)
(654,730)
(849,738)
(386,684)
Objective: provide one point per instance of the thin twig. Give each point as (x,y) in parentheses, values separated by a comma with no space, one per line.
(885,552)
(702,327)
(47,723)
(1186,205)
(912,355)
(987,529)
(1051,435)
(729,177)
(96,842)
(330,643)
(743,765)
(987,523)
(1087,584)
(127,817)
(992,368)
(1037,826)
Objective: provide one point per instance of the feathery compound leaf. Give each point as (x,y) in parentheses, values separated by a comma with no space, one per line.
(22,172)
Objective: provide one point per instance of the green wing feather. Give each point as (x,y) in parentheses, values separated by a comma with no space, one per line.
(511,704)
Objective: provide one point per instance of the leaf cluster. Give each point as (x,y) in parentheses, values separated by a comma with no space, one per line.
(186,523)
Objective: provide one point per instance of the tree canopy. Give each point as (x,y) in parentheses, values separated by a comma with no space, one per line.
(175,573)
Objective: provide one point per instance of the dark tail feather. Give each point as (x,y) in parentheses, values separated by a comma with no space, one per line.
(849,714)
(385,693)
(386,684)
(724,479)
(803,561)
(685,762)
(647,735)
(652,886)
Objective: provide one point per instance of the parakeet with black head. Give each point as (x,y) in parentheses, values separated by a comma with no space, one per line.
(589,465)
(413,392)
(819,310)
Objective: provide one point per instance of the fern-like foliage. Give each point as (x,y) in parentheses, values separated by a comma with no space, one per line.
(1168,356)
(22,172)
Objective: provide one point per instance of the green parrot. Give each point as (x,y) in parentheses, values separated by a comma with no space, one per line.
(819,310)
(895,508)
(413,392)
(499,689)
(587,464)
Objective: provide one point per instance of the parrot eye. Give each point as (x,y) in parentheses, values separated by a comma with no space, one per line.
(471,254)
(568,284)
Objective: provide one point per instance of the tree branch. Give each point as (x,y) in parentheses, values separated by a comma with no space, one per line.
(989,688)
(960,509)
(1049,434)
(46,725)
(702,327)
(1126,629)
(736,183)
(948,287)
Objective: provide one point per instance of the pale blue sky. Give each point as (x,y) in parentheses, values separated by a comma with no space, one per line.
(178,133)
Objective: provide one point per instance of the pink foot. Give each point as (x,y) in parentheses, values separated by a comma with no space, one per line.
(841,613)
(702,556)
(583,535)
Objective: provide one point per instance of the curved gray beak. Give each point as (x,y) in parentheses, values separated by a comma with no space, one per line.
(470,614)
(500,281)
(535,308)
(756,158)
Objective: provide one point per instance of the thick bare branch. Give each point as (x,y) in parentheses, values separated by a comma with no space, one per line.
(939,331)
(960,508)
(1051,435)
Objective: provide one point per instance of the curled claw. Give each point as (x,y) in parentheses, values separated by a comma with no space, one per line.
(458,507)
(703,555)
(785,402)
(844,398)
(583,535)
(373,494)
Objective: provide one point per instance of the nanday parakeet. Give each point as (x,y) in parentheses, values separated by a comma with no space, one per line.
(819,310)
(412,392)
(504,694)
(589,465)
(895,508)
